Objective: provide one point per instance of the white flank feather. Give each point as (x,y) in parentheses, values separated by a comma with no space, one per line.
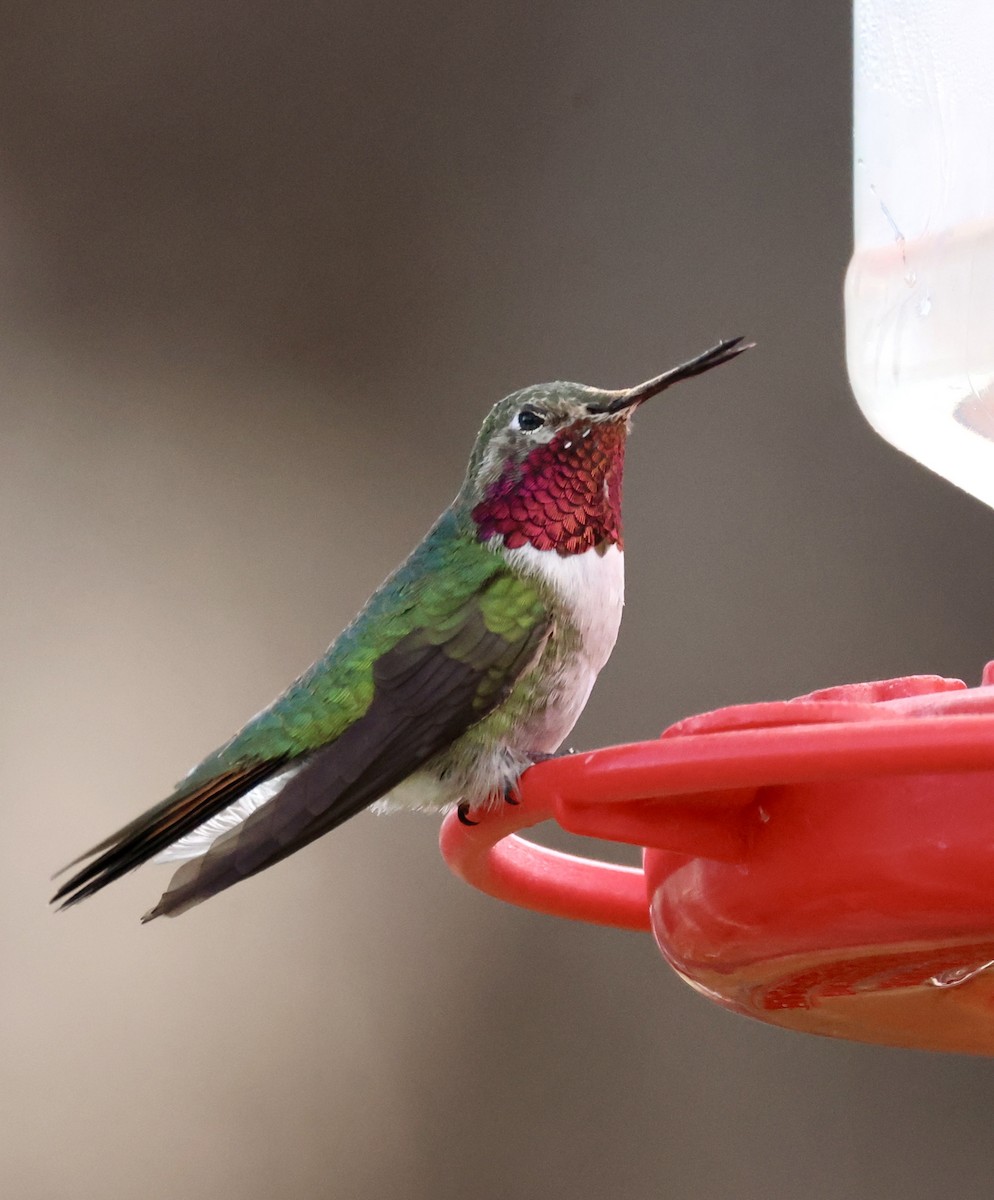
(192,845)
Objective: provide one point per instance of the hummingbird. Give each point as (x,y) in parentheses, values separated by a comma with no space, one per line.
(470,663)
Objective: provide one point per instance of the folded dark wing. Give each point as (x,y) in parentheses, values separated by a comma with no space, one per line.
(427,692)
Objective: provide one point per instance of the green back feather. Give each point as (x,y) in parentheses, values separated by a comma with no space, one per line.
(431,591)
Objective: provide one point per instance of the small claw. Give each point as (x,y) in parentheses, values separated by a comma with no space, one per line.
(510,795)
(462,812)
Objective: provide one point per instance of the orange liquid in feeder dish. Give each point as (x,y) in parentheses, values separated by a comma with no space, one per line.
(916,996)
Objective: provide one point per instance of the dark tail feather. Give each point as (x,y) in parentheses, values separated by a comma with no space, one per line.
(158,828)
(333,784)
(314,801)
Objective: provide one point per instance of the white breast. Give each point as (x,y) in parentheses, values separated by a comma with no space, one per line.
(591,586)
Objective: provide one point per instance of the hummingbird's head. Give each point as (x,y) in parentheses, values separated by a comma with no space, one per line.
(547,466)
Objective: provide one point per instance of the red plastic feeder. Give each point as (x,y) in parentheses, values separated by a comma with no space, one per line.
(824,863)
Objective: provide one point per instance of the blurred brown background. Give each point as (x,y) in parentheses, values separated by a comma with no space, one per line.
(262,270)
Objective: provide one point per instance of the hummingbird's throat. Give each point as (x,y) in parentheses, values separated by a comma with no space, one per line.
(565,496)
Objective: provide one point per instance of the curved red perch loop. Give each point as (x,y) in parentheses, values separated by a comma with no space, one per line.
(493,859)
(690,792)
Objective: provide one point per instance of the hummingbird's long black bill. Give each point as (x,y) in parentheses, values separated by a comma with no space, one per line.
(722,353)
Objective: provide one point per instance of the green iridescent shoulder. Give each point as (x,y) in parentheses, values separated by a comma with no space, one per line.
(431,591)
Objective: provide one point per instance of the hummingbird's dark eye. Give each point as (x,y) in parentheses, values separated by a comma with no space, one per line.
(530,418)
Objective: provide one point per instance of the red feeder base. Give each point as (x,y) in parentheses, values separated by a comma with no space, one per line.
(825,863)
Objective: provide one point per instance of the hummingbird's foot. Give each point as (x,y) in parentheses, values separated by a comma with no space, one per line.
(462,812)
(511,793)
